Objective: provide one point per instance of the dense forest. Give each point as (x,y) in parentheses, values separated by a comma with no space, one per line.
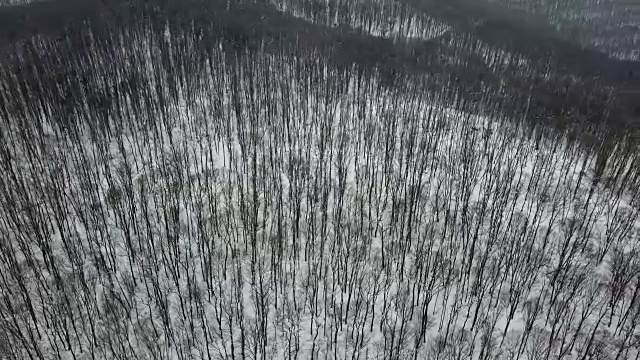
(303,179)
(612,26)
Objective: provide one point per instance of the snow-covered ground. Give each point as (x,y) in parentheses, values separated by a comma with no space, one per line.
(282,209)
(386,19)
(393,20)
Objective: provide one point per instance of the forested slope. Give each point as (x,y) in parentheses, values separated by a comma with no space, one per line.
(177,188)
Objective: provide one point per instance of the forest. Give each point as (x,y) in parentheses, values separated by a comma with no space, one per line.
(304,179)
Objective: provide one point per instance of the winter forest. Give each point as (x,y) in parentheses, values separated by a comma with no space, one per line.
(305,179)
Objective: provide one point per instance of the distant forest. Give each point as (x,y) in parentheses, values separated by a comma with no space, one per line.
(561,77)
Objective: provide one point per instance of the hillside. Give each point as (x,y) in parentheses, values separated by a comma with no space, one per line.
(355,180)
